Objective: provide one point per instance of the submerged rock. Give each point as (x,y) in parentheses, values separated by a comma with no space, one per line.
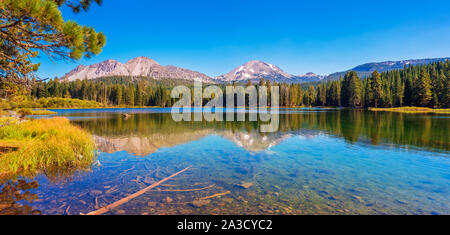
(333,198)
(3,206)
(95,192)
(228,200)
(120,212)
(168,199)
(245,185)
(401,202)
(200,202)
(357,198)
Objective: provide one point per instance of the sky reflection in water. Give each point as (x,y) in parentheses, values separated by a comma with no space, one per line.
(319,162)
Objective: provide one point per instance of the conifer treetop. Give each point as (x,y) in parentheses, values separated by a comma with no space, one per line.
(31,27)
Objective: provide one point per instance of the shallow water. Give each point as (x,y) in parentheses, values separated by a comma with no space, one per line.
(318,162)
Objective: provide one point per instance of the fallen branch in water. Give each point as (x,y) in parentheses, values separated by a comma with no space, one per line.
(182,190)
(215,195)
(168,185)
(134,195)
(111,190)
(125,171)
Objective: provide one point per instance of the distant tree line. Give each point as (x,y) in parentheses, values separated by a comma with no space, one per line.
(111,91)
(420,85)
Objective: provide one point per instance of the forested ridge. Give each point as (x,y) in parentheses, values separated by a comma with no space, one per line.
(419,85)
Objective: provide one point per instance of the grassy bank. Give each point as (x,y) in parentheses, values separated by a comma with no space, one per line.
(411,110)
(51,102)
(55,102)
(25,112)
(43,145)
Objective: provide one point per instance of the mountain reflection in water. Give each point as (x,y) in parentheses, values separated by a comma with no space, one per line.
(142,133)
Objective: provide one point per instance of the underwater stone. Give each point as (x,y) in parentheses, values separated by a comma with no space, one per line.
(169,199)
(245,185)
(95,192)
(357,198)
(200,202)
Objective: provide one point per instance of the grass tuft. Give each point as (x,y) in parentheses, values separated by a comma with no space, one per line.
(48,145)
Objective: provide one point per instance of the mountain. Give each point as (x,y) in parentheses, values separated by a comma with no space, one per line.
(137,67)
(103,69)
(252,70)
(365,70)
(255,70)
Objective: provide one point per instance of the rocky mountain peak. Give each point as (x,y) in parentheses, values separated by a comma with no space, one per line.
(142,66)
(138,67)
(142,60)
(254,70)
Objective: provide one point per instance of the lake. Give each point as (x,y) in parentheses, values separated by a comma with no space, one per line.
(320,161)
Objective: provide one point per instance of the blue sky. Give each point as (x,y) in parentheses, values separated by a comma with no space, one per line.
(215,36)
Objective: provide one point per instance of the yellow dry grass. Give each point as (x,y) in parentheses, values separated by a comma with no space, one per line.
(43,145)
(411,110)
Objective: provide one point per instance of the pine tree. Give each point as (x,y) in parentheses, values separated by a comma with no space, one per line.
(351,90)
(67,95)
(409,88)
(376,89)
(321,95)
(139,95)
(423,87)
(311,95)
(28,27)
(445,100)
(119,95)
(269,92)
(368,98)
(293,95)
(262,82)
(399,90)
(299,95)
(129,96)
